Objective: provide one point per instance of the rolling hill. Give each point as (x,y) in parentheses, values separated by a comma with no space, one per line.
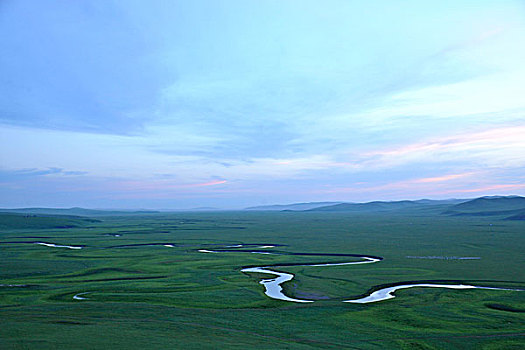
(31,221)
(370,206)
(76,211)
(518,216)
(293,206)
(386,206)
(488,206)
(359,207)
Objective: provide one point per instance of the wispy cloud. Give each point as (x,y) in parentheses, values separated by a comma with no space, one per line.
(273,100)
(442,178)
(31,173)
(210,183)
(161,185)
(495,188)
(444,186)
(498,147)
(415,183)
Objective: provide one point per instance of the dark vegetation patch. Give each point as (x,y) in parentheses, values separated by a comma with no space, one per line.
(503,307)
(213,228)
(143,232)
(100,271)
(296,291)
(140,245)
(74,323)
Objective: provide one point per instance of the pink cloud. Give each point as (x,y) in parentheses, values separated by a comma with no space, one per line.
(441,178)
(432,186)
(406,184)
(505,139)
(444,184)
(211,183)
(484,189)
(161,189)
(160,185)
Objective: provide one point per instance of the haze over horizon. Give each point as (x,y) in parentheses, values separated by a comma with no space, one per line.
(130,104)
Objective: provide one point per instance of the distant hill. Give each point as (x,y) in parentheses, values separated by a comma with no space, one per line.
(293,206)
(198,209)
(359,207)
(483,206)
(31,221)
(487,206)
(76,211)
(370,206)
(519,216)
(441,201)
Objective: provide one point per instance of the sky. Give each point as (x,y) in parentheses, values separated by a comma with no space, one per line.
(228,104)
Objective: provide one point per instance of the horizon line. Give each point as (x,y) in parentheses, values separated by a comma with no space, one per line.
(210,209)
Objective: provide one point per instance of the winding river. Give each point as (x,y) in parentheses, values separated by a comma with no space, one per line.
(58,245)
(274,290)
(46,244)
(78,296)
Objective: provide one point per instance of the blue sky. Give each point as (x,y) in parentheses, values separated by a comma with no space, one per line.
(180,104)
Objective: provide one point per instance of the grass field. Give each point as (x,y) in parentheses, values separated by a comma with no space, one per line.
(156,296)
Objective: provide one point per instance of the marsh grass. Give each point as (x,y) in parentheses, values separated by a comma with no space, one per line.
(175,297)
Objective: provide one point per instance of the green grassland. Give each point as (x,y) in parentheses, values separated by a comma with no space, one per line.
(176,297)
(32,221)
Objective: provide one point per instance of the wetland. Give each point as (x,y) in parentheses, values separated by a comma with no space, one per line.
(286,280)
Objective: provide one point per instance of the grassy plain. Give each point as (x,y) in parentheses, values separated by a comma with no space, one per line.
(176,297)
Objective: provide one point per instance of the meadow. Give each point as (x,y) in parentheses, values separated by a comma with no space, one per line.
(144,282)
